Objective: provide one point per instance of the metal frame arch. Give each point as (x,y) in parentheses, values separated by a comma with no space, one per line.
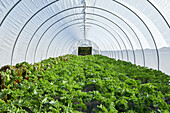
(87,13)
(73,44)
(73,39)
(105,46)
(82,7)
(60,44)
(9,12)
(78,19)
(116,33)
(159,12)
(106,18)
(157,52)
(109,39)
(46,21)
(56,52)
(45,33)
(65,28)
(80,23)
(126,35)
(25,26)
(68,41)
(70,9)
(75,24)
(67,46)
(101,43)
(58,0)
(112,46)
(64,44)
(98,21)
(122,31)
(111,53)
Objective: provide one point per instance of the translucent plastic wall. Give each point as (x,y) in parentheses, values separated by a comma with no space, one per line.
(131,30)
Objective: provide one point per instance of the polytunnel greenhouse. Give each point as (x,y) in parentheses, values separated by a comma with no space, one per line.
(85,56)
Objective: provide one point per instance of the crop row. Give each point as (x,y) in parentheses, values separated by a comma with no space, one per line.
(83,84)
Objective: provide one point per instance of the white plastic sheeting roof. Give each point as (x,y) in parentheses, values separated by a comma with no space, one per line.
(32,30)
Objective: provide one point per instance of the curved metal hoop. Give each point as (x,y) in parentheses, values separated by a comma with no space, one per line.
(98,16)
(25,26)
(157,52)
(159,13)
(100,9)
(107,26)
(73,44)
(103,10)
(73,39)
(110,21)
(66,28)
(9,12)
(66,23)
(58,0)
(115,1)
(95,37)
(76,24)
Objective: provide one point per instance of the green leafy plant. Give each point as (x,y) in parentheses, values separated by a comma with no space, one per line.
(89,83)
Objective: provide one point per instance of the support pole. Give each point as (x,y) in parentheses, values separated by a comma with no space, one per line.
(84,20)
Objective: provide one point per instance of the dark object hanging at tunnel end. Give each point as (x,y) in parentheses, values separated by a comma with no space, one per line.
(84,51)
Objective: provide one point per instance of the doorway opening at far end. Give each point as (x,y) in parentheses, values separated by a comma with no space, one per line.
(84,51)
